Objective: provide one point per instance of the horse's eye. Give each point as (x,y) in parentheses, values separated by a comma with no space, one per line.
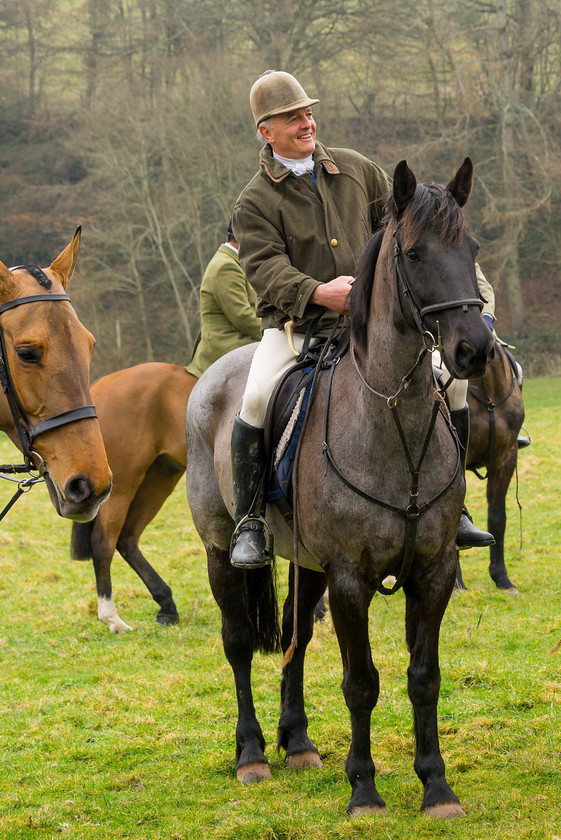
(29,355)
(412,255)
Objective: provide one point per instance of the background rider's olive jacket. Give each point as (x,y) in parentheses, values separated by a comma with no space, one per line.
(228,318)
(294,235)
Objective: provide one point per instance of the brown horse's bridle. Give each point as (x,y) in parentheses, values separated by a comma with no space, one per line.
(27,431)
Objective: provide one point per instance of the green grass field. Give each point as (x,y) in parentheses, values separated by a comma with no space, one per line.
(132,736)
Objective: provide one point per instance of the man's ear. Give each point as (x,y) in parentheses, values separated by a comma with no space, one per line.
(266,133)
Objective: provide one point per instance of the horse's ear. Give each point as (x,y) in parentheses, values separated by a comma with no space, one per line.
(404,184)
(5,273)
(460,185)
(65,263)
(7,283)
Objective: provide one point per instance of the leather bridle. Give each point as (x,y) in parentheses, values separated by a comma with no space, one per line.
(33,464)
(417,311)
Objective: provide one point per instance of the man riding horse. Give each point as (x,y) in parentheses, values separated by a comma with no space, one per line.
(301,222)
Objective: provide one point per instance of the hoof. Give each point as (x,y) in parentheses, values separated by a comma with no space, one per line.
(120,627)
(368,811)
(166,619)
(251,773)
(304,760)
(445,811)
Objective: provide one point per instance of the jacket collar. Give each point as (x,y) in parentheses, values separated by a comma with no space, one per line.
(231,252)
(277,172)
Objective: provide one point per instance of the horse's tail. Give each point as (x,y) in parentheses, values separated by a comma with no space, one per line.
(263,608)
(81,540)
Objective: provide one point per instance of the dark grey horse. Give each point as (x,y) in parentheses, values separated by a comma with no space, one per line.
(382,498)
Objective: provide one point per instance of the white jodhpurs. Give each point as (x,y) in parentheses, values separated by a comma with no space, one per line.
(272,358)
(458,388)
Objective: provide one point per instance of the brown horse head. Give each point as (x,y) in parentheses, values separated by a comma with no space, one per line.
(47,355)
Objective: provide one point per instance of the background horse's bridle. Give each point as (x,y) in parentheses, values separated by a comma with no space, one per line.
(27,431)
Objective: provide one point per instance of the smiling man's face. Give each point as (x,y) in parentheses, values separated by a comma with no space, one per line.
(291,135)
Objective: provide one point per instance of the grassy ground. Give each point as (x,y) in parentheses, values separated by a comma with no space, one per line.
(132,736)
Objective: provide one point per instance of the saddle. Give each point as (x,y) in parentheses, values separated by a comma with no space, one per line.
(286,413)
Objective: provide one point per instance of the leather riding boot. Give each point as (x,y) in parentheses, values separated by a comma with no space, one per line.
(251,547)
(522,441)
(468,535)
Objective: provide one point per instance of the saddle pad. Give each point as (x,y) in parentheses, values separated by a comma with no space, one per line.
(292,399)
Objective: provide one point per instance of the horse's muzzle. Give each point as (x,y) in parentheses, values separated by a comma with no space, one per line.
(78,499)
(471,360)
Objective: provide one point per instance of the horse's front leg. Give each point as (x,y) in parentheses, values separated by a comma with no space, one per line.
(349,599)
(293,724)
(426,599)
(102,541)
(238,636)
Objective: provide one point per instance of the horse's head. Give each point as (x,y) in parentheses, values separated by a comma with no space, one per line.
(435,264)
(47,354)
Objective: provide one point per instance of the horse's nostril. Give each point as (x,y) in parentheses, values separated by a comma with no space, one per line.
(464,354)
(78,489)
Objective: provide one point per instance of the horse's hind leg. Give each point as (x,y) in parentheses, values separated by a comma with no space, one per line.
(229,587)
(349,598)
(157,485)
(497,487)
(426,601)
(293,724)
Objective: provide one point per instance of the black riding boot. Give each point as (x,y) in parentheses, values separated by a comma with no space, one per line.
(468,535)
(522,441)
(250,548)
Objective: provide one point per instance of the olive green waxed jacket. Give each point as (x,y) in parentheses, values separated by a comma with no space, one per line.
(294,234)
(228,318)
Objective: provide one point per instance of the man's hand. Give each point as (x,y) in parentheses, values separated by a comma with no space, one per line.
(334,295)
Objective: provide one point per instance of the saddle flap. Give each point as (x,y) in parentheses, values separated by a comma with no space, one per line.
(283,424)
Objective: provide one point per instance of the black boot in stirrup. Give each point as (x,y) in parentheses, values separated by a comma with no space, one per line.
(468,535)
(252,541)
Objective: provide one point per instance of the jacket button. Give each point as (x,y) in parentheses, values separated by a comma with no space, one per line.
(297,186)
(333,243)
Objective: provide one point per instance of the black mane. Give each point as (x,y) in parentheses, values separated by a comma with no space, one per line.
(362,287)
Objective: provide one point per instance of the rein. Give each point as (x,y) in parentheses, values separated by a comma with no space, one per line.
(413,512)
(26,430)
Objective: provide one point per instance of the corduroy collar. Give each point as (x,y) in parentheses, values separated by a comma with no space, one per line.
(277,172)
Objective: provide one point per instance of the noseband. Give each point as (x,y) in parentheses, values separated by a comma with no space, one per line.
(417,311)
(26,430)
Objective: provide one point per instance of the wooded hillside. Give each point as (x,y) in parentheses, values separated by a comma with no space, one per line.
(132,119)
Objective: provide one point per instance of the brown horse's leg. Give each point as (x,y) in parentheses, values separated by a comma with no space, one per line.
(229,588)
(497,487)
(103,540)
(426,601)
(349,598)
(157,485)
(293,724)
